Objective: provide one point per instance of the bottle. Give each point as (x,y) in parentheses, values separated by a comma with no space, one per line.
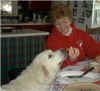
(39,19)
(34,18)
(44,19)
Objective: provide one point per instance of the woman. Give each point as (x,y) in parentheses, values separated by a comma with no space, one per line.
(78,43)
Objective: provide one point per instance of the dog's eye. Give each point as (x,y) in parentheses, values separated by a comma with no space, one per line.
(49,56)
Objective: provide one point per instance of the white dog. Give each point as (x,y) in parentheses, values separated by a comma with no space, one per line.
(39,75)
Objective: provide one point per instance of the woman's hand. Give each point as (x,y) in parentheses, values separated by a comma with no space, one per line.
(73,53)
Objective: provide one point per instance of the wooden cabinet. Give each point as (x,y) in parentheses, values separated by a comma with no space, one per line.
(39,27)
(39,5)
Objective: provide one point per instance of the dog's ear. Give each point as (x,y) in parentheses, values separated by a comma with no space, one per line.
(45,71)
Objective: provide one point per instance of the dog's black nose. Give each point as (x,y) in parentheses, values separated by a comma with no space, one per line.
(63,50)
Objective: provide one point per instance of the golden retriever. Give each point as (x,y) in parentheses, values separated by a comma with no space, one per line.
(40,74)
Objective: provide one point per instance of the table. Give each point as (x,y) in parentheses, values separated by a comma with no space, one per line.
(80,66)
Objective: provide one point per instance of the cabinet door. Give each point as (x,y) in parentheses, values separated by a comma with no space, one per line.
(39,5)
(46,28)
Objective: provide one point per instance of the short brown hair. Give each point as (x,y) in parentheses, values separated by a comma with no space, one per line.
(59,11)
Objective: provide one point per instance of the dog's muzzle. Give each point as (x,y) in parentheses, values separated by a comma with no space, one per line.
(63,52)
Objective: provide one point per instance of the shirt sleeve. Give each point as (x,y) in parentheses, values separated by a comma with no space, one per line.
(92,47)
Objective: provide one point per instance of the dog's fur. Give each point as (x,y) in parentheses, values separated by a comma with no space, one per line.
(39,75)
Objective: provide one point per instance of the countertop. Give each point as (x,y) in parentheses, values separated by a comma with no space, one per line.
(30,23)
(24,33)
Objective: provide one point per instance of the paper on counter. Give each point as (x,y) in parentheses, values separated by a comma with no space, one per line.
(78,67)
(70,68)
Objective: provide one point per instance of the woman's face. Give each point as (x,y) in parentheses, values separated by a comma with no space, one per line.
(63,24)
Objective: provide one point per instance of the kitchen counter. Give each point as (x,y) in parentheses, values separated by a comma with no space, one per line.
(30,23)
(23,33)
(19,47)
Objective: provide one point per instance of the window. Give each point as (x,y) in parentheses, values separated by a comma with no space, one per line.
(8,8)
(96,14)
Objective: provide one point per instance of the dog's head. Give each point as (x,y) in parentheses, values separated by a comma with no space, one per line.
(49,62)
